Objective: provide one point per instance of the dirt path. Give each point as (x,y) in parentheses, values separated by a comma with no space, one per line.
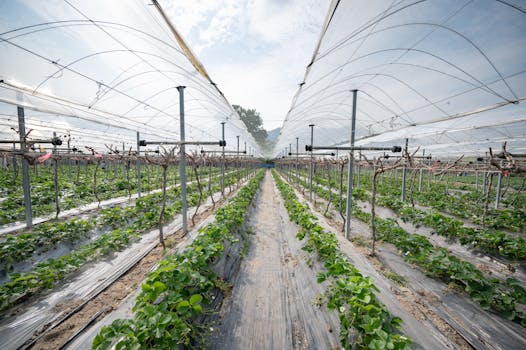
(273,301)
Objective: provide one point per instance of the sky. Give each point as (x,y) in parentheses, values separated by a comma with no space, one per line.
(255,50)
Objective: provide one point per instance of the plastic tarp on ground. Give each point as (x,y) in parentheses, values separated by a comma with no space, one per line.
(96,72)
(448,75)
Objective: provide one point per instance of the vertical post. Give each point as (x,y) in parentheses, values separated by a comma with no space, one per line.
(311,160)
(223,160)
(69,158)
(138,166)
(54,146)
(182,159)
(25,167)
(404,171)
(297,160)
(55,176)
(476,180)
(497,197)
(350,169)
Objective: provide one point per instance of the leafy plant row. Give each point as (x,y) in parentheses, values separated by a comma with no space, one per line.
(365,323)
(491,242)
(143,215)
(45,274)
(466,205)
(503,297)
(76,189)
(173,296)
(127,223)
(487,241)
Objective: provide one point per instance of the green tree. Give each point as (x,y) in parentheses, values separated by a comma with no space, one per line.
(254,124)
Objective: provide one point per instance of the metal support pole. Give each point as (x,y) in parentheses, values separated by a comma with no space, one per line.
(404,172)
(311,161)
(138,166)
(25,167)
(497,197)
(476,181)
(54,146)
(69,158)
(182,160)
(223,160)
(350,169)
(55,176)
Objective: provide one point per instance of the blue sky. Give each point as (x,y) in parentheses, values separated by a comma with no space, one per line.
(255,50)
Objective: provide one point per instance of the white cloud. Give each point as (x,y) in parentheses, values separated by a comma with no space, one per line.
(224,24)
(270,43)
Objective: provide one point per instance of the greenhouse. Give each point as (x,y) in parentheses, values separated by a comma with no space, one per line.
(144,205)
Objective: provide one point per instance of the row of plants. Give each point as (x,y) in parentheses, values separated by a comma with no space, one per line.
(465,205)
(506,298)
(75,189)
(45,236)
(41,238)
(365,322)
(124,229)
(177,293)
(493,242)
(47,273)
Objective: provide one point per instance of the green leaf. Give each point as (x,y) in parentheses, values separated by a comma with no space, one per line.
(198,308)
(321,277)
(377,344)
(159,286)
(183,305)
(196,299)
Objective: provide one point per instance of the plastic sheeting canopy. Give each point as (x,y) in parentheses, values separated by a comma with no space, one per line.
(99,71)
(448,75)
